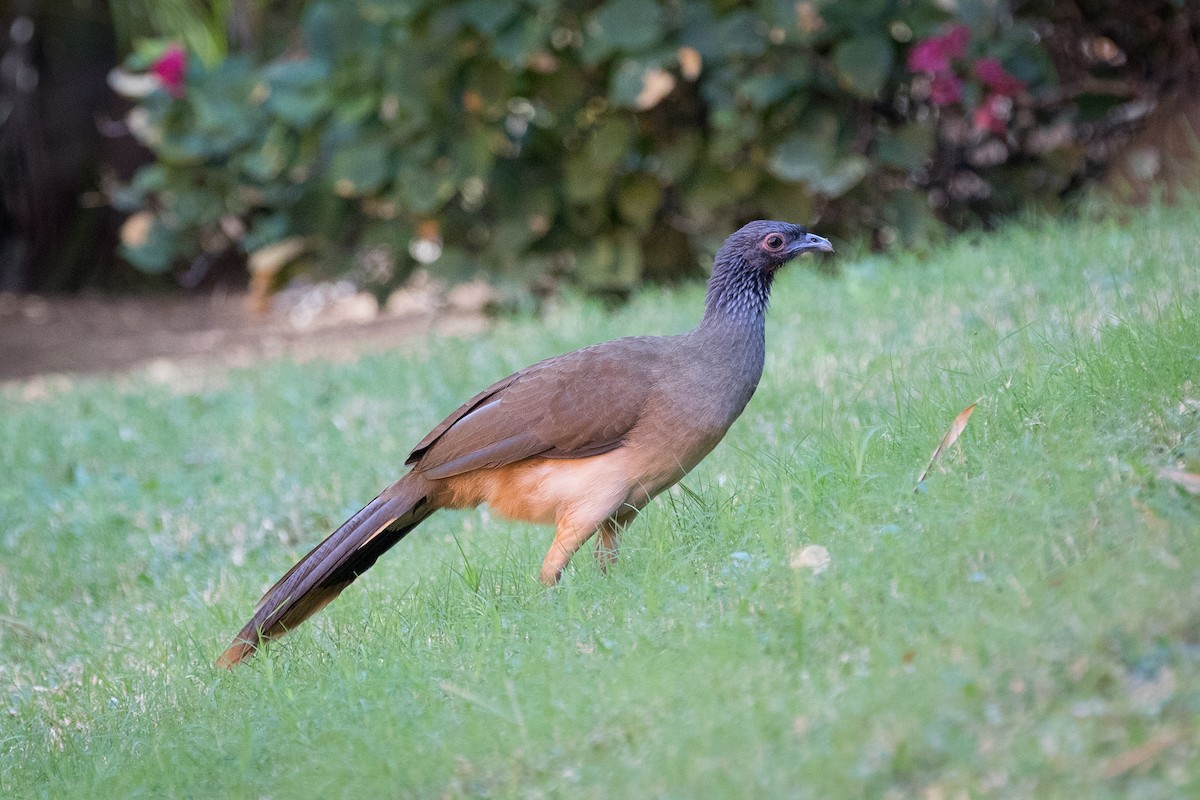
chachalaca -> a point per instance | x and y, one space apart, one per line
581 441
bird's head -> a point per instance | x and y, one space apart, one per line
746 266
766 245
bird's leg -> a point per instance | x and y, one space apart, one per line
567 539
608 540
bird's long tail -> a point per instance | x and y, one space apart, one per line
333 565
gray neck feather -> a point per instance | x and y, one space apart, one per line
737 294
732 331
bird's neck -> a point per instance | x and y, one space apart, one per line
733 330
737 297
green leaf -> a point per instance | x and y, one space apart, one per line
638 200
588 220
700 30
421 188
195 206
361 168
487 16
610 142
742 34
299 91
265 230
612 262
455 264
583 181
147 180
359 109
811 155
628 25
514 44
526 200
864 63
677 158
843 177
802 157
151 178
862 13
707 191
220 95
511 236
626 83
156 252
763 90
915 222
781 200
907 148
319 23
189 147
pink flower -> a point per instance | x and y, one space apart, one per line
945 89
992 114
928 55
993 75
170 68
957 39
933 55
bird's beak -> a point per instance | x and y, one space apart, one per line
811 243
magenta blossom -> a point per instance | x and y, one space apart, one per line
945 89
993 75
992 114
169 68
933 55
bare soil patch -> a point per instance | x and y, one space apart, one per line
104 334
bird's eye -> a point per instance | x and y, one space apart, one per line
774 242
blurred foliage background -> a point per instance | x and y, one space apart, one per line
542 141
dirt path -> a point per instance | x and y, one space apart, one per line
100 334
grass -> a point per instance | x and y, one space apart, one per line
1025 624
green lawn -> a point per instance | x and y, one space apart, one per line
1026 624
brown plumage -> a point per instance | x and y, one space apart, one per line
581 441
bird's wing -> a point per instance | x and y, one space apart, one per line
579 404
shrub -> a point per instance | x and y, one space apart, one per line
604 141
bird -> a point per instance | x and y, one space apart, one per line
581 441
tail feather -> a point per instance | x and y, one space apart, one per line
331 566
